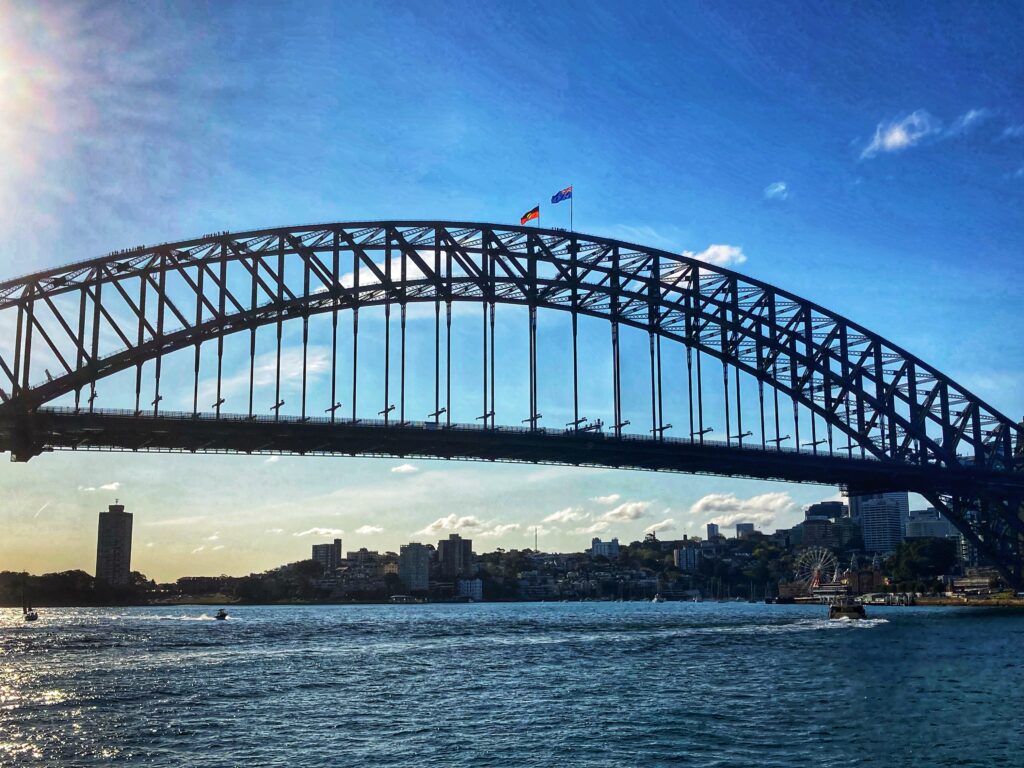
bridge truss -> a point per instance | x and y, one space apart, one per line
767 384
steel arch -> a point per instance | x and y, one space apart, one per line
890 405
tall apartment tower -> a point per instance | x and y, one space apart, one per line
328 555
455 556
414 567
881 517
712 531
114 546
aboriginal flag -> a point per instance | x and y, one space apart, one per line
530 215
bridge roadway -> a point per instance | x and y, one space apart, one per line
49 429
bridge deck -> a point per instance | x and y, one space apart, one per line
64 429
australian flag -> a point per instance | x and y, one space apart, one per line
565 194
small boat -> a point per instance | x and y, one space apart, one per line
658 598
844 608
27 611
220 615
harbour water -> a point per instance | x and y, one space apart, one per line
583 684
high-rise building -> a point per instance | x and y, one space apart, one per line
609 549
833 510
414 567
328 555
744 529
923 523
712 531
455 557
881 517
114 546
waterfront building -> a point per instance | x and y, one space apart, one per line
455 557
328 555
712 531
881 518
744 529
471 588
114 546
414 566
687 558
609 549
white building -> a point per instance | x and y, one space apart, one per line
609 549
881 517
471 588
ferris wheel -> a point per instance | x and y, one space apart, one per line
815 565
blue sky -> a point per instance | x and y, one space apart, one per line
867 156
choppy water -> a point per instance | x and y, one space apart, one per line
583 684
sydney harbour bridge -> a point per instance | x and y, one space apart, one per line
497 343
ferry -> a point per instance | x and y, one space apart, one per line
844 608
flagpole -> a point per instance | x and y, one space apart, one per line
573 196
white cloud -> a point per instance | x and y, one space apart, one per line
105 487
198 549
630 510
274 530
776 191
727 509
179 521
452 522
500 529
968 120
611 498
902 134
272 460
214 537
327 532
369 530
404 469
668 524
598 527
567 515
1012 132
719 255
149 545
219 546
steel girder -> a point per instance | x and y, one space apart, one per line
152 301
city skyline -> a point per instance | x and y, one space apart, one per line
875 189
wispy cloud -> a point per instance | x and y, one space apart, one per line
500 529
776 191
630 510
728 509
272 460
326 532
178 521
902 134
369 530
611 498
1012 132
599 527
968 121
214 537
274 530
106 487
567 515
719 255
451 522
40 510
198 549
668 524
404 469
